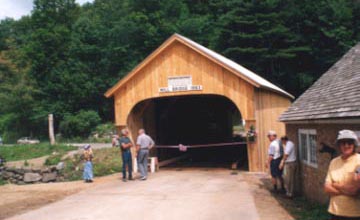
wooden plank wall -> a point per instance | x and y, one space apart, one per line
269 106
256 106
180 60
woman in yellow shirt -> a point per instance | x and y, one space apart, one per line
342 184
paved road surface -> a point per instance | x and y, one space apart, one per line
169 194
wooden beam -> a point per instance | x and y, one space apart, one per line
172 160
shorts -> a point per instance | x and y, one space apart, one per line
274 168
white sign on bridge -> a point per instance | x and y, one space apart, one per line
180 84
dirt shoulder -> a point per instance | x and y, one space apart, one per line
268 206
17 199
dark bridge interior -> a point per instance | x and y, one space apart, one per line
193 120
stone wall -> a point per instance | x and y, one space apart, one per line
310 179
23 176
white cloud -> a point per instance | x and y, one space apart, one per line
83 1
14 8
17 8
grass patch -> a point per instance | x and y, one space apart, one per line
106 161
2 182
25 152
299 207
53 159
303 209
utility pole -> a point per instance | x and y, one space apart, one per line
51 129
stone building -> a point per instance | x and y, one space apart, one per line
331 104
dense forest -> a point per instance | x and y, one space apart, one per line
62 57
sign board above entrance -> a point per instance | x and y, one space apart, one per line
180 84
179 80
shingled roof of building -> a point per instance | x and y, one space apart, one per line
336 94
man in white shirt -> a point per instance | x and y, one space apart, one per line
289 163
275 153
143 144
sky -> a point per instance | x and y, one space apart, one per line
17 8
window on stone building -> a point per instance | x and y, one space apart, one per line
307 146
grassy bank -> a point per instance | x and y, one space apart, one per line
25 152
303 209
106 161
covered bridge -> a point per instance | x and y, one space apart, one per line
184 93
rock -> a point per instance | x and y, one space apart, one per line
21 183
7 174
60 166
20 171
48 177
31 177
60 179
52 168
45 170
27 170
10 169
36 170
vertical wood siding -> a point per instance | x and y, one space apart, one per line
256 106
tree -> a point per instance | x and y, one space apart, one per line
255 34
80 124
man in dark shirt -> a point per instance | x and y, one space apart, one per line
125 145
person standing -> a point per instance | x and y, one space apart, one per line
115 141
143 144
88 167
341 183
275 153
288 163
125 146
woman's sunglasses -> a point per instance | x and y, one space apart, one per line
343 142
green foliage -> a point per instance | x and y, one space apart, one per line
79 125
63 57
26 152
73 169
303 209
2 182
106 161
53 159
105 129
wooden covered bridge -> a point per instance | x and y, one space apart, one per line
186 93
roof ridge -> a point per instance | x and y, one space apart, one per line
337 85
234 67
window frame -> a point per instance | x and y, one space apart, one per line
306 159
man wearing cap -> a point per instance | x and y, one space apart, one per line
143 144
275 153
341 183
288 163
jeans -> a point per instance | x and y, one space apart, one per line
142 159
127 160
88 171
